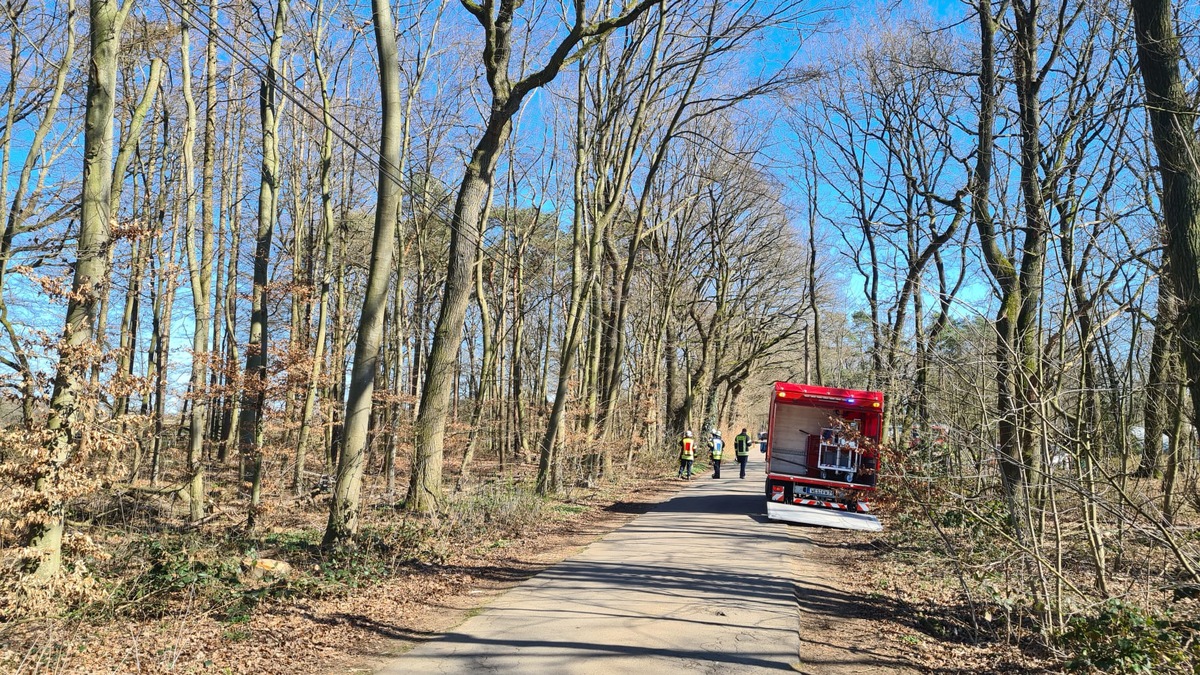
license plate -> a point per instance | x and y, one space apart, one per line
819 492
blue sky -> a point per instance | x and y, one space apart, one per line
845 26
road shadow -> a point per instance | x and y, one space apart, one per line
665 579
380 628
738 504
631 507
504 574
487 649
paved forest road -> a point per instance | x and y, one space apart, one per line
700 584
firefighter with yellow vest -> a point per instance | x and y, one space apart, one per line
716 449
741 448
687 455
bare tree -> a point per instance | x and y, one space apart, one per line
1172 118
70 405
343 510
507 95
254 400
200 272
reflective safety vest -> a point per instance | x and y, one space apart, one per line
687 448
718 448
741 445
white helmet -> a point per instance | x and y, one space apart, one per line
716 433
688 432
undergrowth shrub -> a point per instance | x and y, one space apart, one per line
1123 638
379 550
495 509
180 571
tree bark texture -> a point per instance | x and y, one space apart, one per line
346 503
1173 125
254 388
70 406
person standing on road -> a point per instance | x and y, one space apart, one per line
687 455
741 449
716 448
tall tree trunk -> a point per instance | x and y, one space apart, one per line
1161 378
337 392
572 325
231 409
1172 121
210 212
487 369
344 507
1027 350
254 398
517 363
817 377
127 337
1174 455
70 409
327 246
200 274
999 266
164 308
425 489
156 188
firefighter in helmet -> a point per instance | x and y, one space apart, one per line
687 455
741 448
716 449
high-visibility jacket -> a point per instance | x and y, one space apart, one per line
716 448
687 448
741 445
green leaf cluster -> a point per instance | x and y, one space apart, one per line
1125 639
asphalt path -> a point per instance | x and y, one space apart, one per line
700 584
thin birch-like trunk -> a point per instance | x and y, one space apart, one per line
254 397
346 503
200 276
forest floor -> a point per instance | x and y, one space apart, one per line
893 612
876 603
366 619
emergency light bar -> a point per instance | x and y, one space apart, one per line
825 397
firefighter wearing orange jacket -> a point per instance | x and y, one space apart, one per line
687 455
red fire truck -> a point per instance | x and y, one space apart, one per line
822 455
